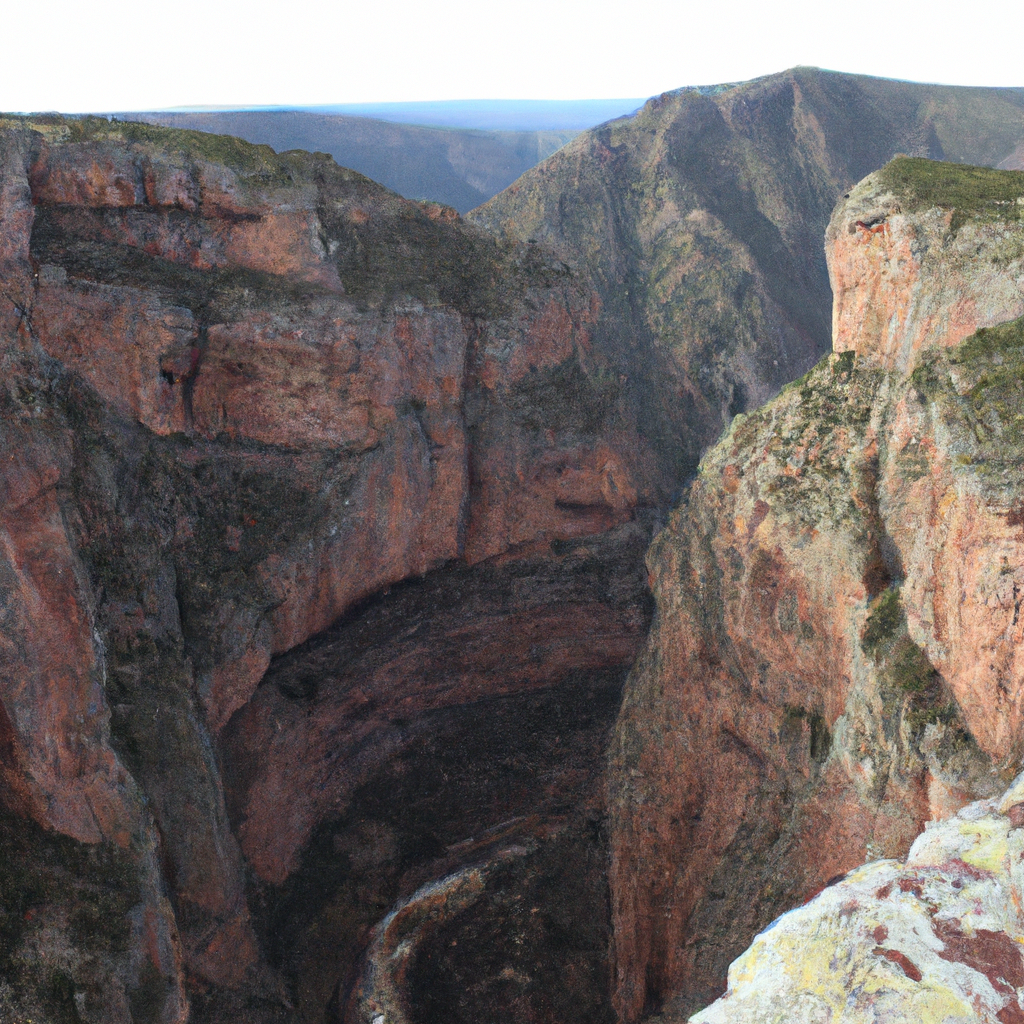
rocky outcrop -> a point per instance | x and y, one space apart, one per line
243 395
910 274
835 649
936 937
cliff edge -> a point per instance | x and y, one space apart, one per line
937 936
836 645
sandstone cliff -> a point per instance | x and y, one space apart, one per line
835 658
243 395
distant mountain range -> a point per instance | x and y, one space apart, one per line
484 115
456 166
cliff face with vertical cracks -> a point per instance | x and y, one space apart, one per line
243 395
835 657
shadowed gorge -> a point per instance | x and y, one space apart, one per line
386 638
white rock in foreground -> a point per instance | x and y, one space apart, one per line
937 940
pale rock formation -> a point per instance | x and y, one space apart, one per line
937 937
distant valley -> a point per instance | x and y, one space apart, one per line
460 167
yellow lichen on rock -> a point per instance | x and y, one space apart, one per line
937 938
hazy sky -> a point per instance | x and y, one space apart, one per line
75 55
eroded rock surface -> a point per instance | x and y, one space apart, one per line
936 937
909 274
243 394
835 654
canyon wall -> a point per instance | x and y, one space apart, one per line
244 396
834 659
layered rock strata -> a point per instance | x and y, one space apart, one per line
835 654
244 393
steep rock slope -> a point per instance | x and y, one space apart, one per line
699 220
836 649
461 168
244 394
937 937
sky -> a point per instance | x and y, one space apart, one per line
100 55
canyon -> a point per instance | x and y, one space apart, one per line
933 937
324 517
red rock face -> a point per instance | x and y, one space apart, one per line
312 373
60 765
905 282
248 393
56 761
835 656
964 556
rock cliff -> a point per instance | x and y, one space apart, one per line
835 657
245 395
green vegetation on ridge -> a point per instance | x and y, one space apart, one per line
976 389
971 191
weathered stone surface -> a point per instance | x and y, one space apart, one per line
908 273
936 937
246 393
844 556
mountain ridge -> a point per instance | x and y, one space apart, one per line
699 223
